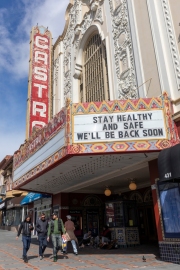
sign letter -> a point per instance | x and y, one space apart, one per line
41 110
41 56
40 88
40 74
40 42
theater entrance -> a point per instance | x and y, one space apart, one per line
147 226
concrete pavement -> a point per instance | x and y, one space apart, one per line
88 258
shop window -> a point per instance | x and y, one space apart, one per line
94 84
169 194
121 214
13 217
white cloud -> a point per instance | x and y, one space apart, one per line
14 53
10 142
14 58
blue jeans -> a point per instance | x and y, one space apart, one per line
57 243
42 244
73 242
26 244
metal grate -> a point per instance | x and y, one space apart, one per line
95 71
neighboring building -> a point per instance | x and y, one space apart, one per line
115 106
3 191
10 208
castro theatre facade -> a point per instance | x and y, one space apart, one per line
107 107
98 156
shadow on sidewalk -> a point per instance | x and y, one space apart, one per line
143 250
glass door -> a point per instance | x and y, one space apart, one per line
93 222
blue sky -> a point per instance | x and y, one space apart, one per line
17 17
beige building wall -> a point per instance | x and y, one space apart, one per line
147 52
141 39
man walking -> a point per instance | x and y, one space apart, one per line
42 229
26 227
69 226
55 229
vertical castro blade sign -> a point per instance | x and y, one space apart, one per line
41 78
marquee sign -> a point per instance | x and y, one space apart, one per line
142 125
40 79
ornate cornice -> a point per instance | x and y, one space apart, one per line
172 40
123 52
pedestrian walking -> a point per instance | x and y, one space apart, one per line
26 227
42 229
56 229
70 236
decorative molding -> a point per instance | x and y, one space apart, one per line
67 45
148 195
76 45
99 16
78 71
56 70
123 52
172 40
87 20
77 31
94 6
136 196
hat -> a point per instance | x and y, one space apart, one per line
68 217
55 214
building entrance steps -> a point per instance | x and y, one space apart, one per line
89 258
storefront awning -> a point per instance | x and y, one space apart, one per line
31 197
169 163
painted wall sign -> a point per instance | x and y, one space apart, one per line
40 79
142 125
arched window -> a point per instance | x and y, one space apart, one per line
94 84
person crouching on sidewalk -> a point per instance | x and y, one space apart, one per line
26 227
55 229
42 229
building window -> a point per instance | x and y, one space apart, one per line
94 84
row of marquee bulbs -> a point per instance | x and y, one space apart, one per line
132 186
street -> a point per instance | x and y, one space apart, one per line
88 258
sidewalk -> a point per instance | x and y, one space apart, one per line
88 258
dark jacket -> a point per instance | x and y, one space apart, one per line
42 227
26 228
61 228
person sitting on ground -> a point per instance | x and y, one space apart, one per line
106 236
86 239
